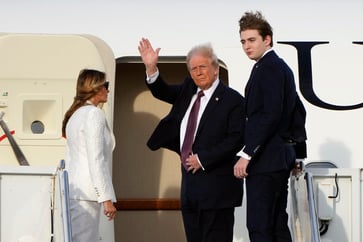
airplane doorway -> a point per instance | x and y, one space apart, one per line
147 183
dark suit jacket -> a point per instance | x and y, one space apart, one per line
219 137
270 95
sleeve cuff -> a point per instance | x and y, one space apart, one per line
200 163
245 156
152 78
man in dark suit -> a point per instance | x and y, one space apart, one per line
209 190
267 157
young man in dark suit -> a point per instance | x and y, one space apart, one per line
209 190
267 156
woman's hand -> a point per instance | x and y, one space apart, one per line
109 209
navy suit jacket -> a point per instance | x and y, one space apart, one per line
270 95
219 137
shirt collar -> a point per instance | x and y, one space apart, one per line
209 92
267 51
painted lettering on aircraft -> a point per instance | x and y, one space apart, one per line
306 77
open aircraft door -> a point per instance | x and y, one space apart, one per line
38 74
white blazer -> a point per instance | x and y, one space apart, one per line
90 143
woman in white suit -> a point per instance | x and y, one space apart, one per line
90 144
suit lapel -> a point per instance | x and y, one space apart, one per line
255 68
212 104
185 98
249 83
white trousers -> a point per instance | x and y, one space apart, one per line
85 220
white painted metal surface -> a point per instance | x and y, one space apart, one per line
32 204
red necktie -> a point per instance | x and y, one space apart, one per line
190 130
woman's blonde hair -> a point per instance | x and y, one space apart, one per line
88 84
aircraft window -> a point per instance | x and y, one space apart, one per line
37 127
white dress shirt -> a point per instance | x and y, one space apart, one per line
203 103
